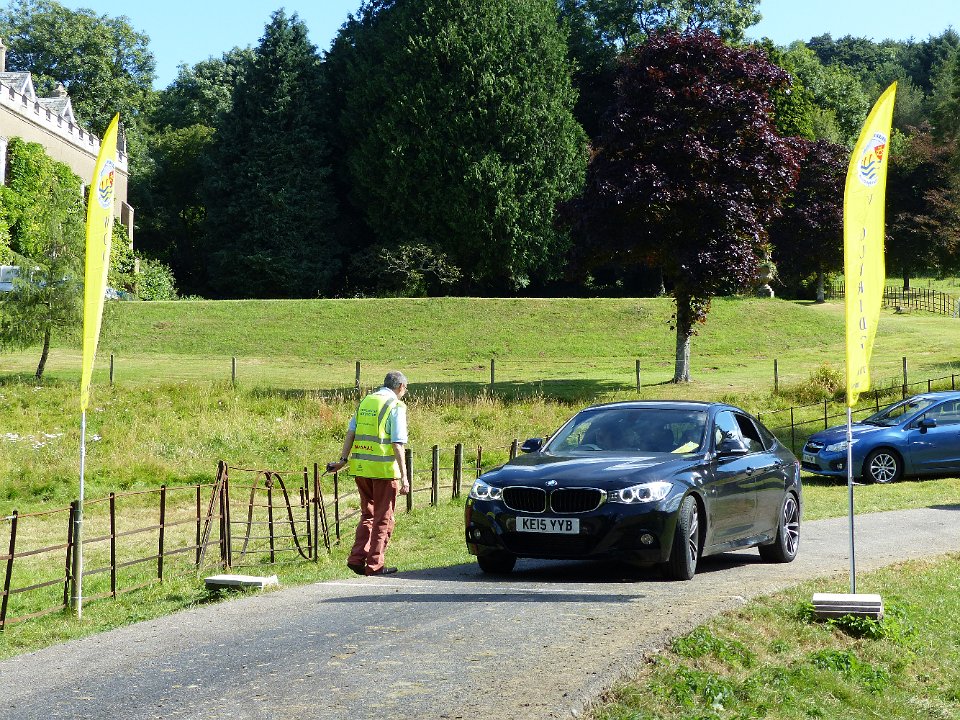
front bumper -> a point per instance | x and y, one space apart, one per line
638 534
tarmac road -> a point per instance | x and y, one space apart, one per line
447 643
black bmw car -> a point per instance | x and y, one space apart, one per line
643 483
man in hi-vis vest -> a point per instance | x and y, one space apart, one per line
374 448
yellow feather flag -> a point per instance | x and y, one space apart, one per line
99 233
863 234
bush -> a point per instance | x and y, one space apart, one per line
155 281
824 383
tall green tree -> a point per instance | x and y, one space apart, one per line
923 207
168 191
41 223
105 65
807 237
458 134
688 174
267 197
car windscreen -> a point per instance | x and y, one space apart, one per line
631 431
895 413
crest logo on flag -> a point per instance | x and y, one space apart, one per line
872 159
105 186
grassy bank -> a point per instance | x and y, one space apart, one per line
772 659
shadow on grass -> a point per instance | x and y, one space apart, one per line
565 390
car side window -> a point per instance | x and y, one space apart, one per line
750 434
726 427
769 439
946 414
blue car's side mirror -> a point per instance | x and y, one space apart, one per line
531 445
926 424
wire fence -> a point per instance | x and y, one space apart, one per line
246 518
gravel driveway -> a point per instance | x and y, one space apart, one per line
448 643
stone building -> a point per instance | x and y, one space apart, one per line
50 122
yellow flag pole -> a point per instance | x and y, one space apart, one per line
863 264
97 262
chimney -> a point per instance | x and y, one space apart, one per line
3 56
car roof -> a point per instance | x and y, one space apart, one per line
937 395
660 405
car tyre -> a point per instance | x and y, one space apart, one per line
685 550
882 466
498 563
784 548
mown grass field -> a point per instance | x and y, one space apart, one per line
172 412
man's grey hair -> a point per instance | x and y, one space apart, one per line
394 380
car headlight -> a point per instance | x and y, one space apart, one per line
842 445
643 493
482 491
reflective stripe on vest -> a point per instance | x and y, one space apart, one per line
372 452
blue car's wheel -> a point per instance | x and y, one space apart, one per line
882 466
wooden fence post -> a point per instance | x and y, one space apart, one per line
435 475
514 445
408 461
479 460
356 384
233 371
163 519
113 544
904 377
69 554
316 512
457 469
111 369
793 433
493 376
9 573
199 529
824 413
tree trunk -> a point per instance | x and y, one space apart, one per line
44 354
820 294
681 371
906 280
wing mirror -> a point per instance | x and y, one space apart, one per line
730 447
926 424
531 445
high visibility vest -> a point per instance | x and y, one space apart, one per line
372 453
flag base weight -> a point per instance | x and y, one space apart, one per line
834 605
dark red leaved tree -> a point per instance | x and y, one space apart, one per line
688 173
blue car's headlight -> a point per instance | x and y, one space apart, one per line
482 491
643 493
840 446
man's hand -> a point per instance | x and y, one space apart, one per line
335 466
404 486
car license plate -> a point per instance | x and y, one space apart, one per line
808 458
562 526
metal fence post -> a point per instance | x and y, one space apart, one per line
233 370
904 377
638 375
113 544
356 384
336 504
776 378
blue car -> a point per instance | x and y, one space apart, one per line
916 436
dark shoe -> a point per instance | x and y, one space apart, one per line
383 571
357 568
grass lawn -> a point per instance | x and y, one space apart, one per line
172 413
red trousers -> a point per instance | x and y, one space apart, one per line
378 498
